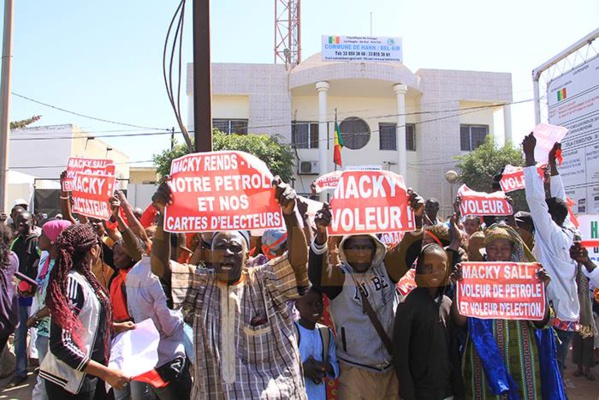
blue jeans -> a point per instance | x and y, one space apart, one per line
565 338
21 342
39 391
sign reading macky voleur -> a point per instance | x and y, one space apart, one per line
361 49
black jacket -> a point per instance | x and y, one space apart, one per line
425 349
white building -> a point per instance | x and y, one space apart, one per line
44 151
410 123
42 154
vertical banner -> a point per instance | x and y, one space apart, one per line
86 166
91 195
479 203
370 202
224 190
501 290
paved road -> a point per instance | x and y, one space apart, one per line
578 388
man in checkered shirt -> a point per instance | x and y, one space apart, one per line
244 342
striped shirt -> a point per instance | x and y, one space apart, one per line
244 340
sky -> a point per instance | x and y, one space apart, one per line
104 58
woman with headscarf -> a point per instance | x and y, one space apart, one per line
509 358
80 321
41 317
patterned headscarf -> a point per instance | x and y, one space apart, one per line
520 253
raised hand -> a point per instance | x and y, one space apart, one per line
285 195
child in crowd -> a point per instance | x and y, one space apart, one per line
316 345
425 348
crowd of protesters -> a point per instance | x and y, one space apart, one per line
240 316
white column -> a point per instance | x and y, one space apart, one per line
323 153
507 122
400 91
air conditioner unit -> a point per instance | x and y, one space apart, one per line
308 168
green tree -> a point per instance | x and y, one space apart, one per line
278 157
480 166
24 122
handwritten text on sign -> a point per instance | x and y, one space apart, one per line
91 195
370 202
501 290
479 203
86 166
226 190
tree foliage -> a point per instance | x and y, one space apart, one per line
278 157
24 122
480 166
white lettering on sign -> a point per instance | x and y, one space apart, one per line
88 184
366 186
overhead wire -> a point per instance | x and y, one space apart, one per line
84 115
463 111
168 76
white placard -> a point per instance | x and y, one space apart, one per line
361 49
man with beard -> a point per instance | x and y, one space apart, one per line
243 332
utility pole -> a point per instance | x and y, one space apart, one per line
202 77
5 103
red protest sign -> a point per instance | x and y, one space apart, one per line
370 202
479 203
224 190
391 239
513 177
327 181
91 195
501 290
86 166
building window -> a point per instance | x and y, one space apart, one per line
388 137
472 136
304 135
229 126
355 133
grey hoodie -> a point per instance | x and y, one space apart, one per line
357 341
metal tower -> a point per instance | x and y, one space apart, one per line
288 47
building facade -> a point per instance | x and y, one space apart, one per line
43 151
390 118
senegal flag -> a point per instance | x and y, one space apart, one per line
338 145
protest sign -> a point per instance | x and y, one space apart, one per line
135 352
479 203
391 239
407 283
327 181
589 231
512 177
370 202
91 195
223 190
501 290
547 135
86 166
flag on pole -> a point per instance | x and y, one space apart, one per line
338 145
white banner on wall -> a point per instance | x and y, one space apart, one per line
573 102
361 49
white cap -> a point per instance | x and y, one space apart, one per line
19 202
